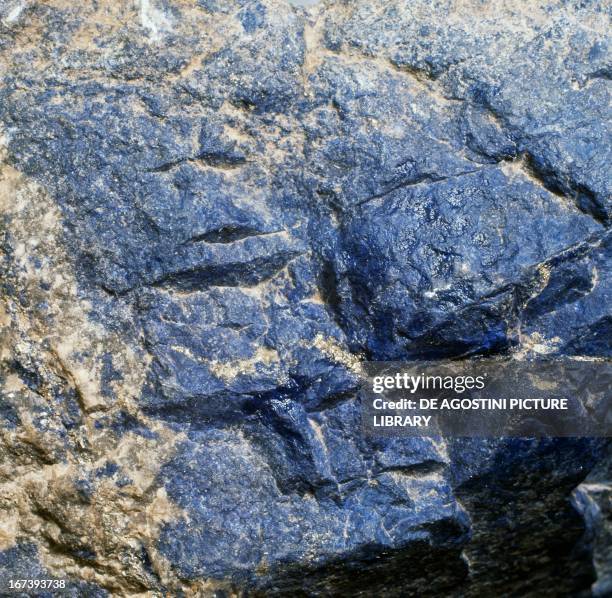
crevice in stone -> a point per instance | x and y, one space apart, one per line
328 286
583 198
213 160
417 469
426 179
228 234
237 274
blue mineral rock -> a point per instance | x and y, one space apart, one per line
213 212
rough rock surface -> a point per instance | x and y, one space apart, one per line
212 211
597 490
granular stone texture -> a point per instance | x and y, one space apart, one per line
212 212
